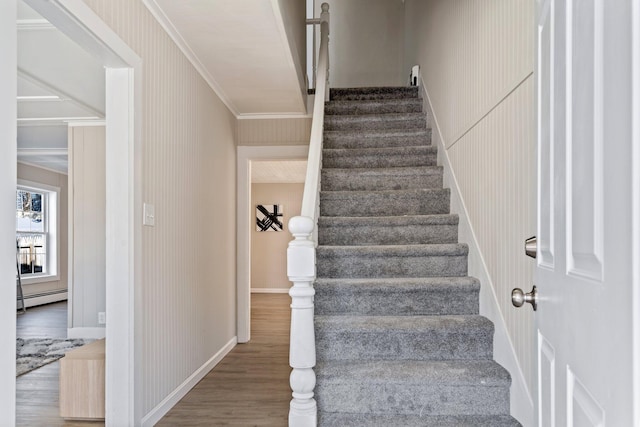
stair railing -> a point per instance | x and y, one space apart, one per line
301 253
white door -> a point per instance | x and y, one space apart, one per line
588 210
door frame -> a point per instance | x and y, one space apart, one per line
244 221
123 191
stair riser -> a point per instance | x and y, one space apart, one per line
373 107
425 399
338 123
385 204
383 139
362 94
341 301
391 266
358 181
359 420
438 344
378 161
388 235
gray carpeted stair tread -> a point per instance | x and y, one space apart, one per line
395 178
380 106
397 296
392 261
375 121
443 337
379 138
413 387
370 420
426 220
385 203
398 336
392 230
365 93
379 157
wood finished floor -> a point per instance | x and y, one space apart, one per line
250 387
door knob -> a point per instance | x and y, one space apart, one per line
518 298
531 246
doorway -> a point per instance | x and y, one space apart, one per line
123 105
246 222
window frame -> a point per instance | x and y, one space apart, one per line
51 216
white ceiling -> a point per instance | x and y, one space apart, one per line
58 83
241 49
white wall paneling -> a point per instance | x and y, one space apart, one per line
476 63
87 207
274 131
187 287
245 222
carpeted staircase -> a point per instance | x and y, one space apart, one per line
398 335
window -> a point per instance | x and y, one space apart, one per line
36 226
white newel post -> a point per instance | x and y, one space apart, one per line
301 269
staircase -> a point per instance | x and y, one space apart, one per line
399 340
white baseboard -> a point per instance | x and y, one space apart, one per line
270 290
174 397
42 299
522 406
87 333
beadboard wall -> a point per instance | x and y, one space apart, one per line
188 266
476 62
284 131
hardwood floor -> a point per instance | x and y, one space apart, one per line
250 387
37 391
44 321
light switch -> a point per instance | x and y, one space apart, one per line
149 214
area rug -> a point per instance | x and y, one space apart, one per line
32 353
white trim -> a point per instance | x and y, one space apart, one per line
87 333
8 115
174 397
34 24
263 116
244 222
33 301
123 391
42 152
177 38
269 290
87 123
504 352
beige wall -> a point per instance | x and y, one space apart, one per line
187 294
290 131
87 228
44 176
477 62
268 249
366 42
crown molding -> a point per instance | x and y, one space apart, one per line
177 38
